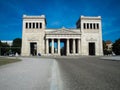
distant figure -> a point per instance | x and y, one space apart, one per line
39 54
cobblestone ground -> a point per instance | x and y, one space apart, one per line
88 73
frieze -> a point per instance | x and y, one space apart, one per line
63 32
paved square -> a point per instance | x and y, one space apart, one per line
88 73
61 73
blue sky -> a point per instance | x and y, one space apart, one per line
59 13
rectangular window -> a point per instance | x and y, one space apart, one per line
97 25
36 25
29 25
94 26
26 25
87 25
90 25
33 25
84 25
40 25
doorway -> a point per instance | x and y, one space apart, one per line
33 48
91 48
63 47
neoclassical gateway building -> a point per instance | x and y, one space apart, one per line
86 39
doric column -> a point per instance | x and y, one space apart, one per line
52 46
89 25
86 25
68 48
31 25
58 46
78 46
47 46
27 49
74 46
95 25
92 25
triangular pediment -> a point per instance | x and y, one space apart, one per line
62 32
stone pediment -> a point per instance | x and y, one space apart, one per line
62 32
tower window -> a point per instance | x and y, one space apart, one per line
94 26
40 25
33 25
90 25
97 26
84 26
26 25
29 25
36 25
87 25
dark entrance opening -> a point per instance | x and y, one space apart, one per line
71 45
33 49
91 48
63 47
50 46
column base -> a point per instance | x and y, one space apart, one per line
76 54
52 54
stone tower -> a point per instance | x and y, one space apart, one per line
91 29
33 31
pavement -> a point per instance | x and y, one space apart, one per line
111 58
61 73
88 73
28 74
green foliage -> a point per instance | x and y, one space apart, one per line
4 61
16 47
4 48
0 44
104 45
105 49
17 42
116 47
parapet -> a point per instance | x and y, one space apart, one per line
33 17
91 17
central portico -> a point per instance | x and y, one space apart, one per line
71 40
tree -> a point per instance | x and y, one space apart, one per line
116 47
0 47
104 45
17 42
105 48
4 49
16 46
0 44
